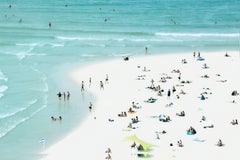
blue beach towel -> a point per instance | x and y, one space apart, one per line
190 133
199 140
200 59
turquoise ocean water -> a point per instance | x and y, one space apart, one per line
34 58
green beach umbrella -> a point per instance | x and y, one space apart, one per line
144 144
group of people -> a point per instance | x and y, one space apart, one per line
54 118
66 96
122 114
90 82
180 144
135 120
108 152
194 54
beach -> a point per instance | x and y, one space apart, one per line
50 47
203 87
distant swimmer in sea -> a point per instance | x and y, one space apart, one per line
20 21
146 50
9 6
49 24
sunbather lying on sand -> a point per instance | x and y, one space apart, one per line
176 71
133 145
205 76
182 114
182 92
234 122
131 110
108 150
210 126
151 100
108 157
222 81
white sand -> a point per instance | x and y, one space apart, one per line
94 136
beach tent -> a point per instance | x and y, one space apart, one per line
146 146
202 97
162 117
234 93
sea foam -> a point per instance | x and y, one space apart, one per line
2 76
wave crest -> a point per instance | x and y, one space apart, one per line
198 34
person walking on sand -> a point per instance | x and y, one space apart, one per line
90 106
90 81
152 84
179 76
106 80
194 55
101 85
169 93
173 89
82 87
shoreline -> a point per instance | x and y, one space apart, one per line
97 134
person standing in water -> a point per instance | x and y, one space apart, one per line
49 24
146 50
59 95
68 95
82 87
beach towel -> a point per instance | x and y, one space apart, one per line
199 140
200 59
190 133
